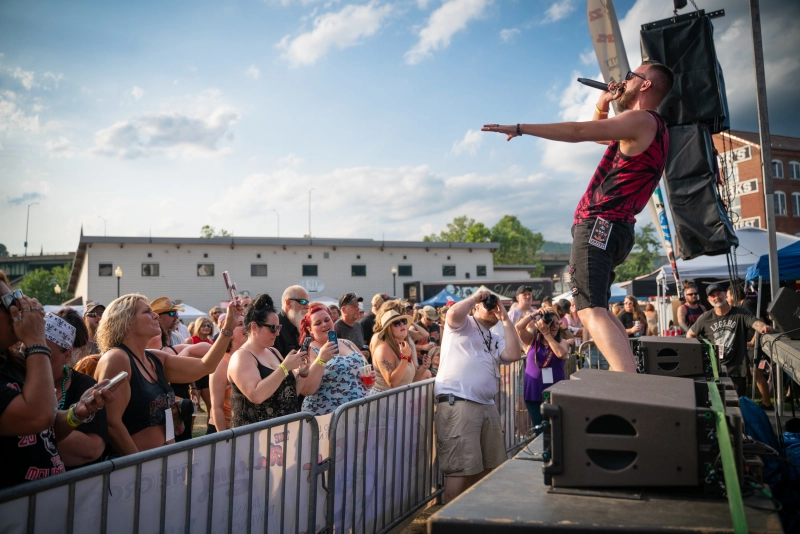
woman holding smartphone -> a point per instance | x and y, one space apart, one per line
29 422
334 376
142 418
264 385
219 416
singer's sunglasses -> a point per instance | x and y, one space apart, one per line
9 299
631 74
171 313
302 302
274 328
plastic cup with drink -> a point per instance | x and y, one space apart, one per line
367 375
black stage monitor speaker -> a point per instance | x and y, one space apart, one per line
785 311
673 356
687 47
621 429
702 226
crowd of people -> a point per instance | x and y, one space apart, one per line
259 360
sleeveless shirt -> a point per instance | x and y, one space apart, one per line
282 402
622 185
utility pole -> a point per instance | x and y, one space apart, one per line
25 256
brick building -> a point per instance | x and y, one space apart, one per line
742 153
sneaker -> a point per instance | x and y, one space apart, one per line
766 408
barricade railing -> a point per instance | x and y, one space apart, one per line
266 477
588 351
260 477
383 463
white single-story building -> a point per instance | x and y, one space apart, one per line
190 269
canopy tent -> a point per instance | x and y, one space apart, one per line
752 245
190 313
440 299
788 264
327 301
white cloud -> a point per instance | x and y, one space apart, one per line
451 18
60 148
135 93
50 80
469 144
290 160
342 29
25 77
12 117
508 34
558 10
588 57
423 4
170 133
252 72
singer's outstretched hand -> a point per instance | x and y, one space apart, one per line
510 131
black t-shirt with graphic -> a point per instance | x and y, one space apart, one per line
79 384
729 330
28 457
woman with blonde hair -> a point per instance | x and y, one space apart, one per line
394 356
141 417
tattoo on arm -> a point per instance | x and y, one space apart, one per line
387 366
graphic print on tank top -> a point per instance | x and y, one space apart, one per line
622 185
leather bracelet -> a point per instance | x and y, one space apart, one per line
224 332
285 370
320 361
518 132
599 112
37 349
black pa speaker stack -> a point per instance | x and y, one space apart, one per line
696 108
785 311
607 429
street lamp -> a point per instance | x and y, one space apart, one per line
394 280
118 274
57 291
28 220
279 221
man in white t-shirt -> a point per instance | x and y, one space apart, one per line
524 299
469 436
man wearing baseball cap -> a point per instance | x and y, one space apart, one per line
524 298
92 313
168 317
727 325
347 327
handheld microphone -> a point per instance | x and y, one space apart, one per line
594 84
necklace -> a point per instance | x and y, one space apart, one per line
64 388
486 342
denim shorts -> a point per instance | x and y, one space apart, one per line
591 268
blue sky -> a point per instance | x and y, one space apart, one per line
164 116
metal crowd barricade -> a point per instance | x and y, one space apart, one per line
261 478
383 464
510 401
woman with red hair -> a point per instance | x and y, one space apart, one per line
334 377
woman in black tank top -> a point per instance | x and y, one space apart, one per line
140 418
263 386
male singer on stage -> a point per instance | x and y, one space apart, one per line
625 179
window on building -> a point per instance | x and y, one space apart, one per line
796 204
310 270
780 203
448 270
794 170
777 168
149 269
258 269
106 269
358 270
404 270
205 269
480 270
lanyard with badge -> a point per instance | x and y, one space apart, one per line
487 342
547 371
601 233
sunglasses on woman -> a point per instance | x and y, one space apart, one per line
400 321
10 298
274 328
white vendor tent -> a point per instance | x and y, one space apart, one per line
190 313
752 245
618 294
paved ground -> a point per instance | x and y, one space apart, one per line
420 524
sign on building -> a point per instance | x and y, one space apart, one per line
755 222
746 187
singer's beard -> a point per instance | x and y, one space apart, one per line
625 100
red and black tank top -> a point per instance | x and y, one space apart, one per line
622 185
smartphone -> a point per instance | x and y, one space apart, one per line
332 337
229 285
306 343
111 385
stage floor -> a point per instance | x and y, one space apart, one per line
514 499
